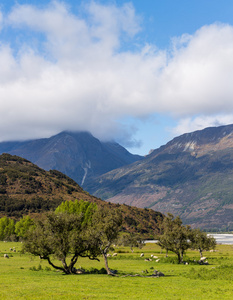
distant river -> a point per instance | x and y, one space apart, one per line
226 239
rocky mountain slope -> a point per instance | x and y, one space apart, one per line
191 176
27 189
78 155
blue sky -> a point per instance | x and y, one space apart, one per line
140 72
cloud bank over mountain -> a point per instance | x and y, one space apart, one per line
86 71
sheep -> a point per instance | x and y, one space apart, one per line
6 256
203 258
114 254
142 254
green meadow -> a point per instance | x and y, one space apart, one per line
23 276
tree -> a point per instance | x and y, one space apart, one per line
132 240
79 207
23 225
7 228
60 234
107 226
200 241
174 236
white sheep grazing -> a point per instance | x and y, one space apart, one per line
155 256
157 260
142 254
114 254
6 256
109 255
203 258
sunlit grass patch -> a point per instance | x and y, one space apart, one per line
24 276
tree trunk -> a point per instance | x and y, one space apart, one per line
106 264
54 266
200 250
179 258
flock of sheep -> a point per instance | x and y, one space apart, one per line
11 250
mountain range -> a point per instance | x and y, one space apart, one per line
79 155
191 176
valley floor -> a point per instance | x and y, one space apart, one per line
23 276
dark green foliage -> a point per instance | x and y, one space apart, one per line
200 241
107 224
132 240
59 235
174 236
95 271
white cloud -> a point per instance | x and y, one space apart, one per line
72 73
198 76
187 125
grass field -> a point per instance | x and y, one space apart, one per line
23 276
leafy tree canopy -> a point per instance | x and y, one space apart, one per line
107 225
23 225
132 240
7 228
83 208
174 236
201 241
58 235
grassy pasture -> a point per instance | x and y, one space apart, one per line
23 276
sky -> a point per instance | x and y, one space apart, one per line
137 72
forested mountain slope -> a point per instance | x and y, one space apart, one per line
27 189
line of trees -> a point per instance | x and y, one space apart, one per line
11 231
176 237
81 229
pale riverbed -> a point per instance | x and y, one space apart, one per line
226 239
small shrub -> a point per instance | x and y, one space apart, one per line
39 268
96 271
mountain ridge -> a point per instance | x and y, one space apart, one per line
27 189
79 155
190 176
